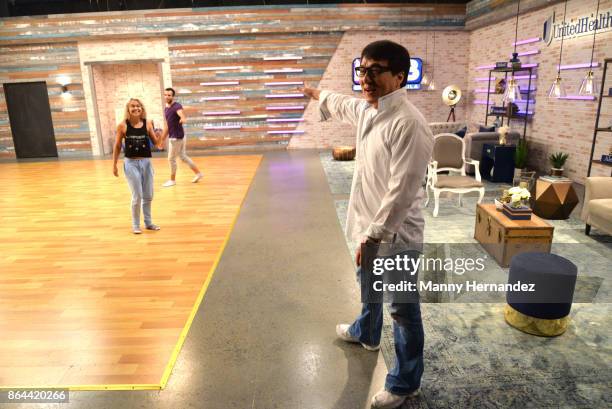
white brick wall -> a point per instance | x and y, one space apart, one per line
119 82
452 47
558 125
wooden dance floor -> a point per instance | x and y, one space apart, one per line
84 303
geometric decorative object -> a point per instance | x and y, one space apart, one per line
344 153
554 200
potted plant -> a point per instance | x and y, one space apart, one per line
520 157
557 160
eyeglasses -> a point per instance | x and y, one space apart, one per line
374 71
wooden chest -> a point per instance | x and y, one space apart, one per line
503 238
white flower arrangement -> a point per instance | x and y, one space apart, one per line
518 195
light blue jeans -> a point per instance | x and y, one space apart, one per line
409 337
139 174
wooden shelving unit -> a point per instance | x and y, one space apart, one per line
598 129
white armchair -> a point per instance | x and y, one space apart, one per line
449 155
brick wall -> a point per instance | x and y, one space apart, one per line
450 68
116 83
558 125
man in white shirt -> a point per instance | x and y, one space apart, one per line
394 144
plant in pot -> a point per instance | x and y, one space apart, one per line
520 157
557 160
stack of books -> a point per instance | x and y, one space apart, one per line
517 213
554 179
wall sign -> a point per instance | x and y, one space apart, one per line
576 27
415 75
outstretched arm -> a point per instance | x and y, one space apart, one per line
337 106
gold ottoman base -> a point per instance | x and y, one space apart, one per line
535 326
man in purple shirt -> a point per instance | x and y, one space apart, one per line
173 127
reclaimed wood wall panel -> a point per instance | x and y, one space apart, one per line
229 20
43 47
47 62
201 60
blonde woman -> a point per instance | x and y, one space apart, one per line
133 132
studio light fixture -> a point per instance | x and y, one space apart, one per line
513 92
425 77
63 81
515 62
588 86
557 90
431 86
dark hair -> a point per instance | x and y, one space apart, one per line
171 90
396 54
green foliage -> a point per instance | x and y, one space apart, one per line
557 160
520 154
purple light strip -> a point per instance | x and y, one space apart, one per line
284 70
233 67
516 77
484 91
485 67
484 102
579 97
222 127
217 113
575 66
488 67
528 41
206 84
287 58
281 83
220 98
281 132
282 108
285 120
285 96
530 52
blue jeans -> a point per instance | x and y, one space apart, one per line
139 174
405 377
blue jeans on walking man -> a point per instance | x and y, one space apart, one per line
409 337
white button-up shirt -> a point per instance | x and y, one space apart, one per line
394 145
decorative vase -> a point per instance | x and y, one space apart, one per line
556 172
502 139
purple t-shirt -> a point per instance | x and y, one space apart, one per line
175 129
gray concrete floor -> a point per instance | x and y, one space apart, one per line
264 336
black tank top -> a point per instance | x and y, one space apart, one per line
137 141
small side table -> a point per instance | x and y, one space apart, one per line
500 158
555 198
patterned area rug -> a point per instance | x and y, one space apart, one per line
473 359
